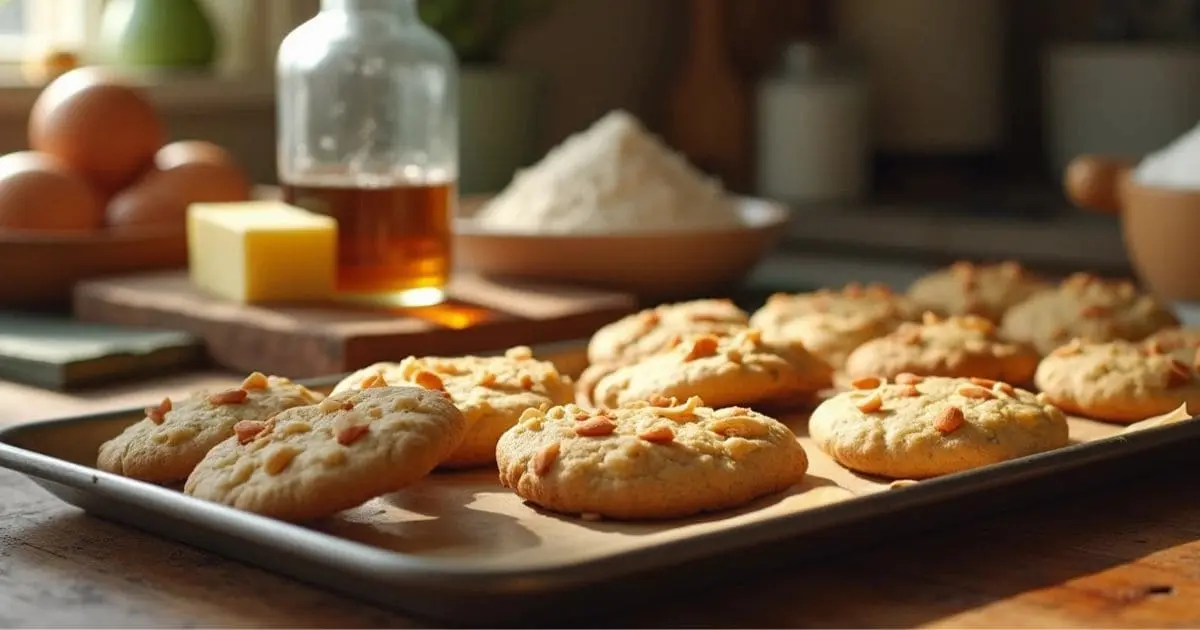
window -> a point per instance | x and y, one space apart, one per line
249 30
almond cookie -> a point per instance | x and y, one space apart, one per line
492 392
831 324
737 370
654 330
167 444
919 427
965 288
648 460
1119 381
1088 307
964 346
1173 339
313 461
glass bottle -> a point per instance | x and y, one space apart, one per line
367 133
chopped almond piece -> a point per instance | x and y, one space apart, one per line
527 382
866 382
256 380
159 413
978 393
705 346
983 382
428 380
247 430
949 420
544 460
229 397
909 391
658 435
352 433
1004 388
908 378
595 427
373 380
870 404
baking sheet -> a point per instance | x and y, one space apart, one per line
459 546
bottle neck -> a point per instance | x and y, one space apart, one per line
402 9
707 41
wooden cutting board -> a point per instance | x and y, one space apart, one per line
307 341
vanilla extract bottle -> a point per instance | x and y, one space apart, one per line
368 134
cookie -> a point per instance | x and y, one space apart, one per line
651 331
737 370
492 392
831 324
1172 339
1119 381
313 461
920 427
966 288
648 460
167 444
1088 307
961 346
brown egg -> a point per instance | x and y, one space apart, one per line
38 192
184 173
99 126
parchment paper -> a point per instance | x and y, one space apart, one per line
469 515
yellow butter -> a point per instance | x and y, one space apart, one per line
262 251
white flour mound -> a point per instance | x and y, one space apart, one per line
1176 165
613 177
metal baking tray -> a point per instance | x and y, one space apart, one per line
459 548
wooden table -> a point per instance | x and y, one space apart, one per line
1127 556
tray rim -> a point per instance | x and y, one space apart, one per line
465 575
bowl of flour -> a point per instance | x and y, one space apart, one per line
614 206
1158 202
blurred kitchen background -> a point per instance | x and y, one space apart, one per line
921 129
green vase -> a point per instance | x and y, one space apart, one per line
157 34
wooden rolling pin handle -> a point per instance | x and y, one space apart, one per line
1092 182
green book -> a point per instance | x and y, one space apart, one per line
59 353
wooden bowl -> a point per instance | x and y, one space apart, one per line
1160 226
661 265
40 270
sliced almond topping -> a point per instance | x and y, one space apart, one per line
705 346
1078 280
949 420
866 382
909 391
738 426
544 460
279 458
734 356
487 379
1180 374
978 324
229 397
658 435
159 413
908 378
930 318
373 380
352 433
526 382
1071 349
519 353
247 430
256 380
658 400
1093 311
870 404
983 382
1004 388
651 318
329 405
296 427
428 380
346 405
978 393
598 426
674 341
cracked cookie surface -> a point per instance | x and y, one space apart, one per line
648 460
737 370
1120 381
961 346
657 329
492 392
921 427
985 290
313 461
831 324
167 444
1088 307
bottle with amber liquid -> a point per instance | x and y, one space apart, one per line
368 134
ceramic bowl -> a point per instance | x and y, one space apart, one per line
659 265
41 269
1160 226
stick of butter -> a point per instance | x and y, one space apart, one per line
262 251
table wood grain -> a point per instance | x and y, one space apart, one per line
1124 556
